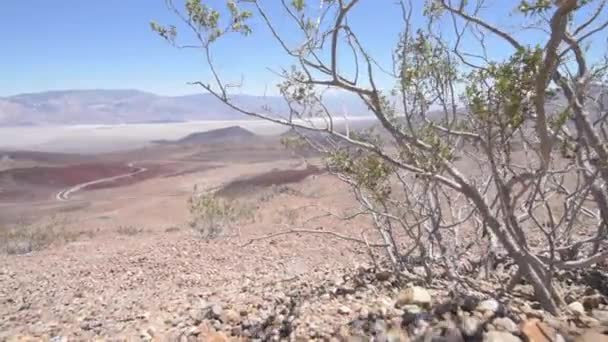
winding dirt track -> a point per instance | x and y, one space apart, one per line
64 195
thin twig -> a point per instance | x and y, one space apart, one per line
311 231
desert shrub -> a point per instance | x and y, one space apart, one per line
129 230
480 154
290 216
23 239
212 215
172 229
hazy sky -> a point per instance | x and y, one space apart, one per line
67 44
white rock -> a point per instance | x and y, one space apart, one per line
506 324
344 310
411 308
414 295
470 325
601 316
216 311
576 308
488 305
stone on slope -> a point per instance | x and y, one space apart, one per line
601 316
506 324
470 326
344 310
396 335
415 295
500 336
592 336
489 306
576 308
537 331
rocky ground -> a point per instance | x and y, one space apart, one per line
171 285
175 288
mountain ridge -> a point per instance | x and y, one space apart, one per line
123 106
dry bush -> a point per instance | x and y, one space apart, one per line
24 239
213 215
172 229
129 230
504 154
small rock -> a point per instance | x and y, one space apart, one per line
59 339
414 309
216 311
383 275
593 301
379 327
231 316
414 295
396 335
144 336
601 316
489 305
592 337
421 327
453 335
576 308
468 303
470 326
215 337
443 309
537 331
197 316
193 331
90 325
500 336
530 312
344 310
506 324
588 322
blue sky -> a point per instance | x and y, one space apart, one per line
66 44
69 44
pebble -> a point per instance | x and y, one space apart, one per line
470 326
414 295
216 311
592 337
576 308
600 315
500 336
537 331
488 305
395 335
411 308
231 316
506 324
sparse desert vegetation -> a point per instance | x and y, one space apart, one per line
22 239
213 216
435 174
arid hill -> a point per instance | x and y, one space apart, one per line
216 136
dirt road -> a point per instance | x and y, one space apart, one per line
65 194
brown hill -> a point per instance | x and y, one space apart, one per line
216 136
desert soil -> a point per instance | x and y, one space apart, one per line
136 270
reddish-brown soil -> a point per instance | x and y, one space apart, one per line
24 184
65 175
45 157
274 177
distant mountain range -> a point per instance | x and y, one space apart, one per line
72 107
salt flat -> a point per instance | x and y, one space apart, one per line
109 138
